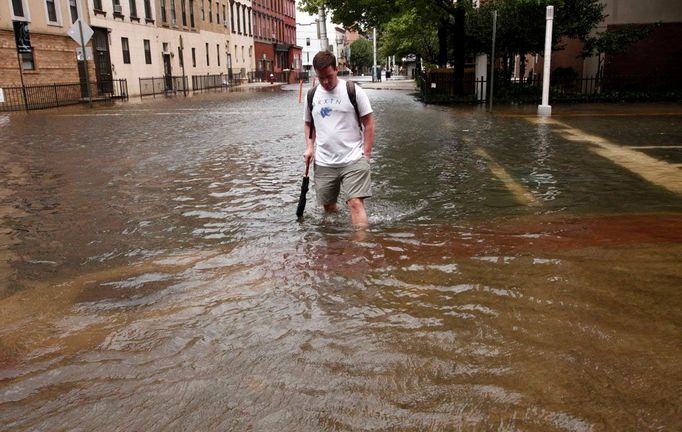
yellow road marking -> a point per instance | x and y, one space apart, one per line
601 114
656 171
656 147
522 195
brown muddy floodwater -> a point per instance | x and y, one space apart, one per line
517 276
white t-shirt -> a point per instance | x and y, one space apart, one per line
338 137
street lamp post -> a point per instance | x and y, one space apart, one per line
545 109
374 42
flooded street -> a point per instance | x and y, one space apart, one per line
518 274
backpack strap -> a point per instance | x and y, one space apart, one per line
350 88
309 96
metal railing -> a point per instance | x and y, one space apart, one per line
206 82
440 86
165 85
34 97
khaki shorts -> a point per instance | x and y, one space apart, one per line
351 181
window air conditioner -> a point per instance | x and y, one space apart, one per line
117 9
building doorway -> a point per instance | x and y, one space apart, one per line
167 72
100 45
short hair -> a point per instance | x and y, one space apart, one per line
323 59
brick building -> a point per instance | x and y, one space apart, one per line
275 38
651 63
53 55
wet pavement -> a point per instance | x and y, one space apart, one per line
519 274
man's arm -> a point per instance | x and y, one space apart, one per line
368 124
309 143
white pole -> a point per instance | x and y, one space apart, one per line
545 109
374 40
324 41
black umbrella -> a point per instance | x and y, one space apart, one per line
304 191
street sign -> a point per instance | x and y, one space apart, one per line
75 33
79 53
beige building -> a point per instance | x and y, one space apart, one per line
241 28
166 39
53 57
132 39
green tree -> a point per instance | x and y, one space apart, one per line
361 54
410 33
460 28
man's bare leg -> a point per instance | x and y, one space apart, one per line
358 215
331 208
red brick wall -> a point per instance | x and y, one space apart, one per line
655 59
264 48
569 57
54 57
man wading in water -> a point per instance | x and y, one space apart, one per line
339 134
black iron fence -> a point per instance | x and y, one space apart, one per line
280 77
33 97
207 82
173 85
441 86
165 85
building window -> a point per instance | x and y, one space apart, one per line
210 11
224 15
27 61
217 50
208 61
183 5
236 54
163 11
244 18
133 9
239 25
19 9
126 50
191 13
217 12
51 11
232 16
148 10
307 41
203 13
147 52
180 56
73 9
172 12
97 4
194 57
249 13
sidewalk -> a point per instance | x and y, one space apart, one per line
390 84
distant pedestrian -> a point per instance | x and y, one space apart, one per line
339 134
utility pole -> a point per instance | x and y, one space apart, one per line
324 41
374 41
85 62
182 62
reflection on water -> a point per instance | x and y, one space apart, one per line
155 277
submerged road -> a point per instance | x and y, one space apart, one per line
518 274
